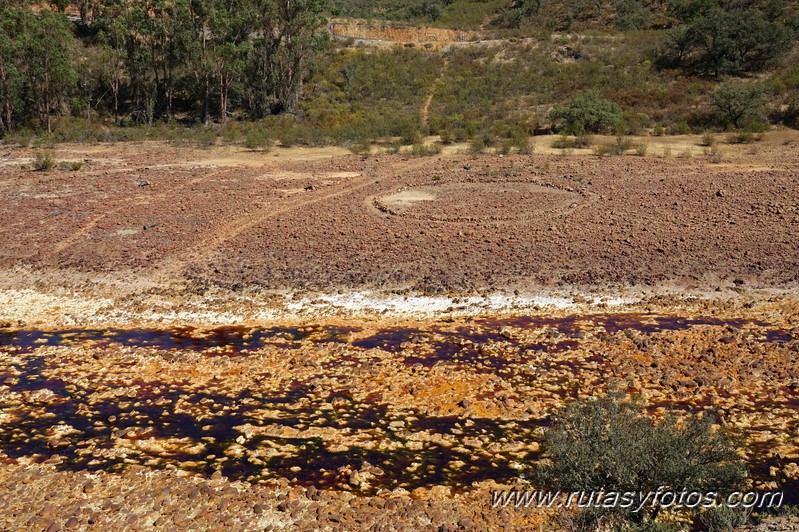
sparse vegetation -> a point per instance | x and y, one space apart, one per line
420 149
258 138
724 518
43 161
579 141
620 147
714 153
73 166
742 137
708 139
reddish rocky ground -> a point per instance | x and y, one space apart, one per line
585 221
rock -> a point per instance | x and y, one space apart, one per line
55 443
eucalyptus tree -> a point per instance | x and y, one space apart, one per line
11 53
48 71
284 49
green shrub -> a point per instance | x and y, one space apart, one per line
710 39
607 444
422 150
520 139
724 518
258 138
563 142
446 136
588 520
409 134
587 113
361 148
713 153
43 161
742 137
680 128
477 145
619 147
791 510
708 139
580 141
70 165
601 150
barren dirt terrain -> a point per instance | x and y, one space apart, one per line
309 339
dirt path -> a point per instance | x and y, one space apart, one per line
94 221
230 230
424 112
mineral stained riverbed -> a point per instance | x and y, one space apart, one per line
451 403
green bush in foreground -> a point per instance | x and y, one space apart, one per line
609 444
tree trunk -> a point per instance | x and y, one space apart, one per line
223 90
115 91
84 6
5 126
206 97
47 96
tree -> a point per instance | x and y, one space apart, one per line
739 101
285 49
717 38
517 12
48 73
218 52
119 50
631 15
91 71
608 444
587 113
11 54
